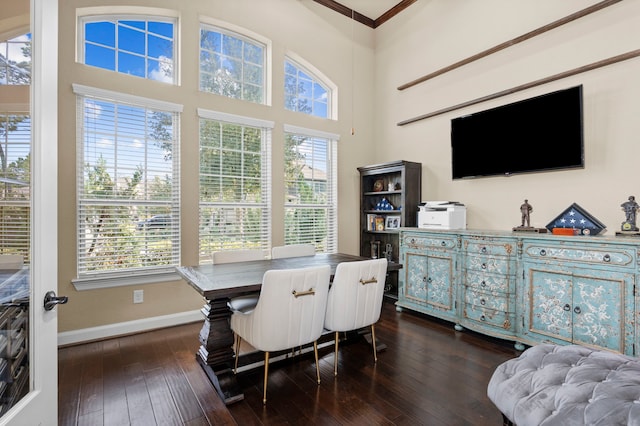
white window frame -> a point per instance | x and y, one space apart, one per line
87 281
332 183
134 13
266 127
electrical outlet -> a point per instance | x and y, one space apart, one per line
138 296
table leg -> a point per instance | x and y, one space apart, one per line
216 354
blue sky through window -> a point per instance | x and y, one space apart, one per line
140 48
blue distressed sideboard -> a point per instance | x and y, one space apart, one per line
526 287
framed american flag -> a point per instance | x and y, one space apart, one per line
576 218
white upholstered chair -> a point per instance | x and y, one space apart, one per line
232 256
293 250
290 313
355 299
246 302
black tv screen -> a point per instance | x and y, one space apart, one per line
536 134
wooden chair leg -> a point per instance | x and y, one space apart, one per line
266 374
373 343
335 357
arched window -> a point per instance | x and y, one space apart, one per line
143 47
305 92
232 65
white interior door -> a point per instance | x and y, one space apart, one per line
40 405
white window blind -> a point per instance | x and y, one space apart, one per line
15 194
128 187
235 179
311 189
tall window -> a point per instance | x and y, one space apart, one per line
311 188
15 148
232 65
303 92
15 61
235 179
143 48
128 187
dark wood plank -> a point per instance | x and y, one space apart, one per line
429 374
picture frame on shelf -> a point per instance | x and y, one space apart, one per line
392 222
379 223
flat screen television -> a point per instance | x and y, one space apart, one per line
536 134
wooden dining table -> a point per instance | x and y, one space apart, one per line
221 282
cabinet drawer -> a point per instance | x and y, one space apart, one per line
480 299
489 264
494 248
488 283
417 241
491 317
604 256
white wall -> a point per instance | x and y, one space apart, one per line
432 34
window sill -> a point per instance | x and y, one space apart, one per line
149 277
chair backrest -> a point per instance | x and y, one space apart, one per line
293 250
290 311
11 261
232 256
355 297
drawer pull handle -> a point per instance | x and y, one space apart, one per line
413 241
566 307
483 284
606 258
543 252
443 243
482 318
483 302
577 310
483 250
484 266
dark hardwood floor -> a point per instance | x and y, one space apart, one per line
429 374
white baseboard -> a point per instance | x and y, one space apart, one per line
128 327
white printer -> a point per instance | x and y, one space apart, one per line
442 215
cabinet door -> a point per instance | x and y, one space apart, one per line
548 311
429 282
582 306
599 311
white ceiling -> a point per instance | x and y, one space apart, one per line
370 8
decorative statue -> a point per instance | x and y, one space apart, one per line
526 210
630 208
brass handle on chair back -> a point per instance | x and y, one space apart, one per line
369 281
297 294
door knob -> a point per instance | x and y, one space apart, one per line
51 300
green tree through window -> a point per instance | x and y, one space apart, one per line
128 191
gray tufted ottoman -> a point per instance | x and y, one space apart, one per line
567 385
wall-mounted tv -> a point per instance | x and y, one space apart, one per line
536 134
